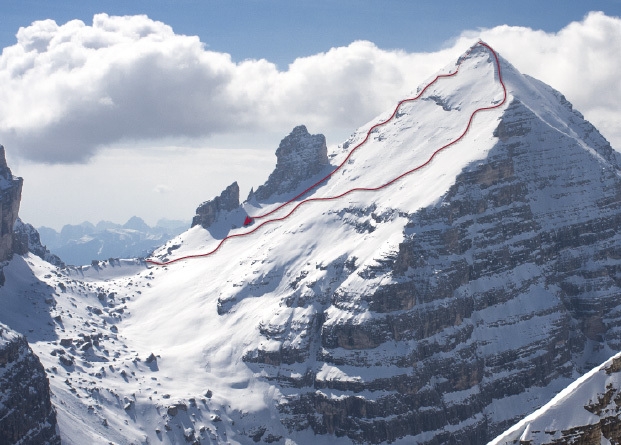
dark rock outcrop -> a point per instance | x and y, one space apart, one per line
26 413
10 197
27 239
207 212
299 156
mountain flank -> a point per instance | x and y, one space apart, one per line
442 308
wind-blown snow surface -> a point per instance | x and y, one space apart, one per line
237 335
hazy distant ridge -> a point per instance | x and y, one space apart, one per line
82 243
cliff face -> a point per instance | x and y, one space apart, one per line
10 197
26 413
207 212
299 156
508 283
497 295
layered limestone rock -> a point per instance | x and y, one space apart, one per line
506 286
207 212
26 413
10 197
299 156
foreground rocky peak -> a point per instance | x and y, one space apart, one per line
26 413
299 156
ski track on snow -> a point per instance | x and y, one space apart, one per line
250 219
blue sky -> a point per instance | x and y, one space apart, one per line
112 115
283 30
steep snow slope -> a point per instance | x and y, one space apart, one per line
587 411
439 309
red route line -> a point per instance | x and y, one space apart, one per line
359 189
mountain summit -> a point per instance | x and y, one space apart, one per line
453 269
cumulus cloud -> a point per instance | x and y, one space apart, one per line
72 89
582 60
69 90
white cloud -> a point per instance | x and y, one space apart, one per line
70 90
582 60
162 188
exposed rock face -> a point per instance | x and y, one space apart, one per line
26 239
26 413
299 156
507 285
10 196
207 212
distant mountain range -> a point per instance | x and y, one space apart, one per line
82 243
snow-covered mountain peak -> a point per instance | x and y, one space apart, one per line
450 269
383 246
434 123
552 108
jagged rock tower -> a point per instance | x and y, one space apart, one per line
207 212
299 156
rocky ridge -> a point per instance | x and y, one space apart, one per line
300 156
27 239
